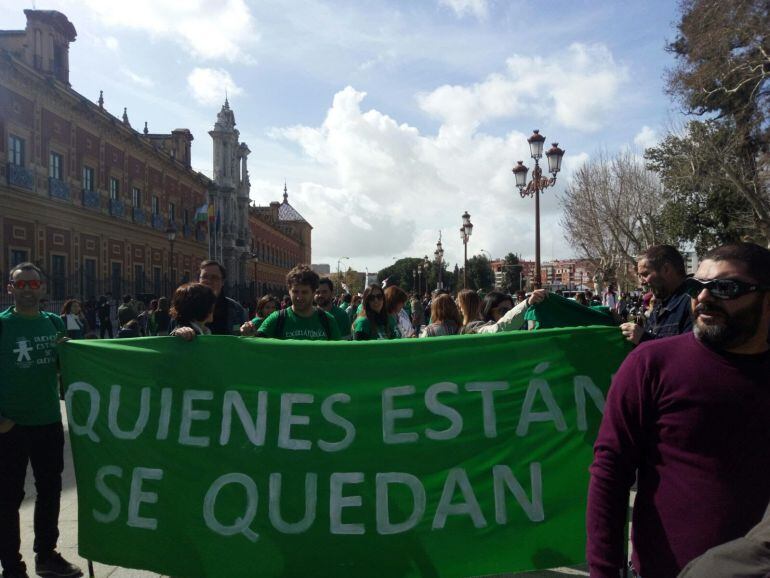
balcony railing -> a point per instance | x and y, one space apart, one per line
158 222
200 235
91 199
58 189
20 176
116 208
139 216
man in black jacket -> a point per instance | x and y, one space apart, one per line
229 315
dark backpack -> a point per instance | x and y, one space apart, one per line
280 327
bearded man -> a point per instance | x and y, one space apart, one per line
689 414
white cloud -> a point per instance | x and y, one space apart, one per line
646 138
579 86
389 189
477 8
209 85
208 29
143 81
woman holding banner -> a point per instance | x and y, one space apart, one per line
191 308
374 322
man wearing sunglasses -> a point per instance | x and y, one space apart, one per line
687 417
30 425
661 268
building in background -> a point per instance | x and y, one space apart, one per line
102 207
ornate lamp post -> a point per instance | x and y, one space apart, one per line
538 184
425 265
339 278
414 280
465 235
419 280
439 255
255 260
171 236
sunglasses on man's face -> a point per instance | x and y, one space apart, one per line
722 288
32 283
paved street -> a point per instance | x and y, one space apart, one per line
69 531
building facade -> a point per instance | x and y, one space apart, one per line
103 208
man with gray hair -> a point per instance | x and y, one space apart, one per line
661 268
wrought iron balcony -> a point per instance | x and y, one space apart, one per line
158 222
139 216
200 235
20 176
58 189
91 199
116 208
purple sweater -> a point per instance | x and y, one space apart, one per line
696 424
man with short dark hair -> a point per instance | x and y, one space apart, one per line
229 315
661 268
323 300
301 320
31 429
689 414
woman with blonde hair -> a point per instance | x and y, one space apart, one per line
469 303
445 318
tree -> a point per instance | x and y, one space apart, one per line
723 52
479 273
511 273
612 212
702 205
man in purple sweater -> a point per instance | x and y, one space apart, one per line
690 414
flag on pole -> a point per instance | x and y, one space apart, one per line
201 213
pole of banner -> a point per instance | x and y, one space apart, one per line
91 570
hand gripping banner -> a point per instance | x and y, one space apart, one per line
239 457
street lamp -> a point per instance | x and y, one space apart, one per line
255 260
465 234
171 236
339 278
538 183
419 280
439 255
414 281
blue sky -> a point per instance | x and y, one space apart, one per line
388 120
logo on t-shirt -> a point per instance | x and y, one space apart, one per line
23 349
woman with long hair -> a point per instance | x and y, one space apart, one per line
395 300
265 306
74 321
193 306
445 318
469 303
374 322
500 314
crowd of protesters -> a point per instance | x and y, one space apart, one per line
685 417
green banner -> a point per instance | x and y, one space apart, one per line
230 457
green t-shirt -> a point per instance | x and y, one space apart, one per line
362 325
29 393
343 321
257 322
296 327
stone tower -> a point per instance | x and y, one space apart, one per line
229 196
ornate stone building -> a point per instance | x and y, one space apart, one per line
102 207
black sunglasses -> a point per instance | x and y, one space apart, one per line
722 288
